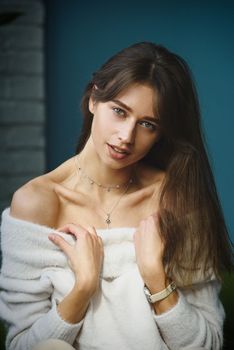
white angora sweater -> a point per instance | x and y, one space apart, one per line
35 274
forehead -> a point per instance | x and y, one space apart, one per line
140 98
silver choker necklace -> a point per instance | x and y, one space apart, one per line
106 187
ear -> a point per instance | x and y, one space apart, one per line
92 101
91 105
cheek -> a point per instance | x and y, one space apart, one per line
97 125
101 129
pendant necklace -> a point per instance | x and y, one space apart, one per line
108 213
105 187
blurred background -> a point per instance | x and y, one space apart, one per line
49 50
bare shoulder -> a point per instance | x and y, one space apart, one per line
36 201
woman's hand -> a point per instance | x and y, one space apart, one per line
85 257
149 249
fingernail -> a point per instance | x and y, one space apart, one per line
51 236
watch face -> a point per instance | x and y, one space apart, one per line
147 294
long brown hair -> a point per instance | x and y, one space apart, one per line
191 221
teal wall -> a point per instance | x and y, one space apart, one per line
81 35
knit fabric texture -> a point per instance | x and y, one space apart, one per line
35 275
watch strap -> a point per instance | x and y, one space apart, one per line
152 298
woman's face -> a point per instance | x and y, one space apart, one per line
125 128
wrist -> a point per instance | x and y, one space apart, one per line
157 283
73 307
166 304
85 289
159 295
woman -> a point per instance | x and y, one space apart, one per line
140 244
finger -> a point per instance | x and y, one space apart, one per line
100 239
92 230
100 242
101 246
61 243
136 235
154 216
72 229
142 225
155 219
143 221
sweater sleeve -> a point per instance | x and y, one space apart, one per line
27 288
30 314
195 321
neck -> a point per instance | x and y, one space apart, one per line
94 168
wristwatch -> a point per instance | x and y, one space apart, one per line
152 298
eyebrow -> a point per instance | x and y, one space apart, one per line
120 103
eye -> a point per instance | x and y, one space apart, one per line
148 125
118 111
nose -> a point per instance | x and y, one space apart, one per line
127 132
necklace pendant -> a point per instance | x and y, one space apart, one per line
108 221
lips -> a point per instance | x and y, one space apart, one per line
117 153
119 150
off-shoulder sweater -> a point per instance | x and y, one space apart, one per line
35 275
